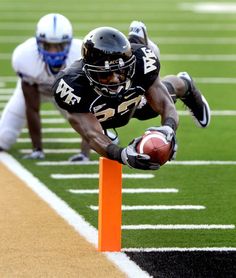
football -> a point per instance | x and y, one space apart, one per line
154 144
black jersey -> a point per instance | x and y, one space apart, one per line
74 93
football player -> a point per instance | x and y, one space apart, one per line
104 89
37 61
180 86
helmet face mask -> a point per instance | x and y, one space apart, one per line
109 62
53 36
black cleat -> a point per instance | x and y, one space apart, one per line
196 102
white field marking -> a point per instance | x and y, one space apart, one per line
4 97
182 57
213 112
7 91
127 190
52 140
156 207
195 40
49 112
96 176
179 227
53 130
199 57
209 7
73 218
180 249
53 151
160 40
162 26
201 162
53 120
67 163
215 80
8 78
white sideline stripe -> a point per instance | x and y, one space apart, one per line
96 176
70 216
127 190
156 207
180 249
55 151
52 140
53 130
178 227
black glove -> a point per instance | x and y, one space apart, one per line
35 154
170 137
130 157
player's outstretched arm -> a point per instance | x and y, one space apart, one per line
90 129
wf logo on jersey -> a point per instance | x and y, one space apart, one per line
65 90
149 60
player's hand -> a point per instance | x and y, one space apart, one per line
170 137
35 154
130 157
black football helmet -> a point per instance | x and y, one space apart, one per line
106 52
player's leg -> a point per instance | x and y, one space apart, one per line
13 119
183 87
138 34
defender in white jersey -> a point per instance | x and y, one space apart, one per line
37 61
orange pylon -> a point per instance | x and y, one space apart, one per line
110 200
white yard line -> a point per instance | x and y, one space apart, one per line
210 80
53 151
209 7
199 57
52 140
201 162
127 190
160 40
65 163
53 130
177 57
156 207
96 176
179 227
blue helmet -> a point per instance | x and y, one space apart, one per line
54 31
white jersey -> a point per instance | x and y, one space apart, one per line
29 65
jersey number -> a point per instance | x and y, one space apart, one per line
122 109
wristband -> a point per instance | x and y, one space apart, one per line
114 152
171 123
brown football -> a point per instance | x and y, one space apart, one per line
156 146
